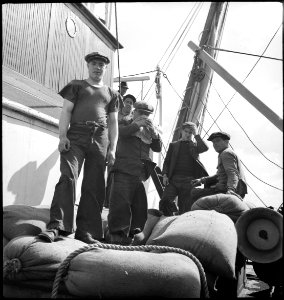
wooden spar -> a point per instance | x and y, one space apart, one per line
239 87
195 98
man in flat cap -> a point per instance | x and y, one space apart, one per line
230 178
128 200
88 133
181 166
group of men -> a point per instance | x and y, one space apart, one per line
95 129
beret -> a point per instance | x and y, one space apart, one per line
143 105
130 96
189 124
96 55
223 135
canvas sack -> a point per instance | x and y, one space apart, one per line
207 234
28 257
24 220
230 205
107 273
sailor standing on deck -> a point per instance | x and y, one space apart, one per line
230 178
91 109
128 200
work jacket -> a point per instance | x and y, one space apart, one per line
132 154
194 148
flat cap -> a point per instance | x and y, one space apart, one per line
144 106
223 135
189 124
96 55
130 96
123 84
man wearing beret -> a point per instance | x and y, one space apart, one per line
128 200
181 166
230 178
88 133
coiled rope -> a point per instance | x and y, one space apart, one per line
65 264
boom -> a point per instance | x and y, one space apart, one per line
238 86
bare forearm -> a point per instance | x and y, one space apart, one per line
112 134
64 122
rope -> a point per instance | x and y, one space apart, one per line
65 264
11 267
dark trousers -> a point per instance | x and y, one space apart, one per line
179 186
127 204
92 154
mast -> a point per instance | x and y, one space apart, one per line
197 89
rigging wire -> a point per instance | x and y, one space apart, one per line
183 35
224 50
186 28
176 34
118 66
248 74
244 130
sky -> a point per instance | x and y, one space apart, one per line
146 30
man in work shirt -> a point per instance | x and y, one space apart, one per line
230 178
88 133
128 200
180 167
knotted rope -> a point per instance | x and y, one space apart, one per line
65 264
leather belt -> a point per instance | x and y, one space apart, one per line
89 123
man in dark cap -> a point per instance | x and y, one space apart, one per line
128 200
181 166
230 178
88 133
123 88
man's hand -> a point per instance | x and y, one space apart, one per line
64 144
165 180
196 182
194 130
142 121
110 157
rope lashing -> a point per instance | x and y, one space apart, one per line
11 267
65 264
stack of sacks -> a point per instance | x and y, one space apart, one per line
227 204
106 273
29 258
